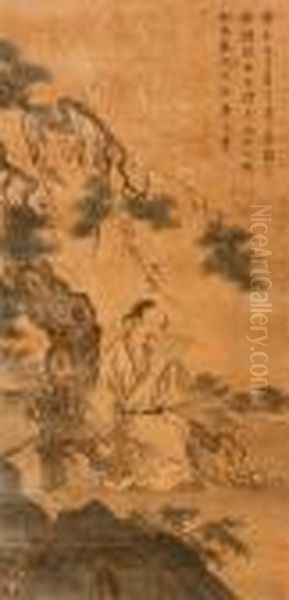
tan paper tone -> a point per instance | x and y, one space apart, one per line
143 300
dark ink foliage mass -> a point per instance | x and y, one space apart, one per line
22 238
17 76
9 309
93 208
227 252
155 210
268 400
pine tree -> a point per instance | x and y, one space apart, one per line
21 239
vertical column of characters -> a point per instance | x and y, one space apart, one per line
248 92
226 66
268 133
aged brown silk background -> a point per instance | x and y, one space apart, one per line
176 443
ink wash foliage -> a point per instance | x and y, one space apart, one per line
18 76
227 253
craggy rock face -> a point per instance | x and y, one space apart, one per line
90 554
107 577
46 585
